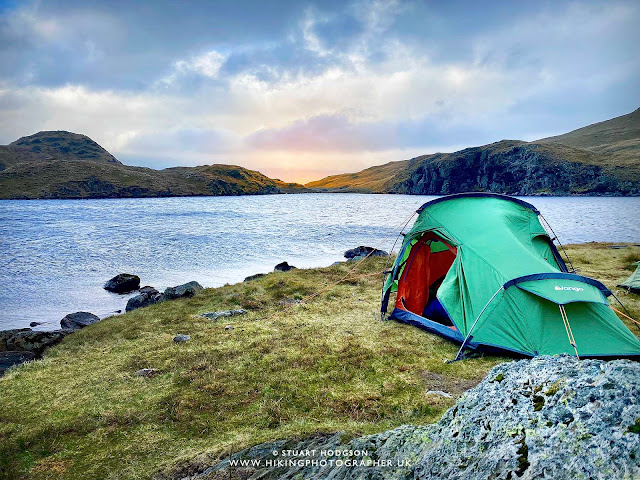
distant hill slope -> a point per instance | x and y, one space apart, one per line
373 179
68 165
601 159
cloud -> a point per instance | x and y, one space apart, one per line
206 65
314 87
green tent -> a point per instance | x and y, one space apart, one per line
633 282
480 269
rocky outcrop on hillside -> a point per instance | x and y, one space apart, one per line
549 417
515 168
600 159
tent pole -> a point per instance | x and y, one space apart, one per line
383 303
464 343
567 327
573 269
636 323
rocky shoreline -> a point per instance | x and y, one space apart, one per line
21 345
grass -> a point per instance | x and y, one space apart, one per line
324 366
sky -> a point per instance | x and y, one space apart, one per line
304 89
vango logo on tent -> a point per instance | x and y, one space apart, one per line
575 289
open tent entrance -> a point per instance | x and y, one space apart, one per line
426 264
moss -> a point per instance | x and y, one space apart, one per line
538 403
523 456
554 387
635 428
499 378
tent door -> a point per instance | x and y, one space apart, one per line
427 264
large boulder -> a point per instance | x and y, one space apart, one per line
362 251
36 342
147 296
283 267
7 335
123 283
549 417
9 359
78 320
23 344
186 290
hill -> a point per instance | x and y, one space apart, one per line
373 179
319 367
601 159
68 165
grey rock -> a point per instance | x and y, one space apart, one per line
549 417
363 251
27 340
223 314
181 338
6 335
186 290
10 359
440 393
253 277
228 327
78 320
283 267
35 324
123 283
147 372
147 296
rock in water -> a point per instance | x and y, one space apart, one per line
186 290
283 267
9 359
549 417
7 335
363 251
35 342
123 283
78 320
147 296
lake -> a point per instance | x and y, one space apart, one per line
55 255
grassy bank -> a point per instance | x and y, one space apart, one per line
281 371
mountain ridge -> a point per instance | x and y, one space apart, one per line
61 164
599 159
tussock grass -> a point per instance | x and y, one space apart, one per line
286 369
611 267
